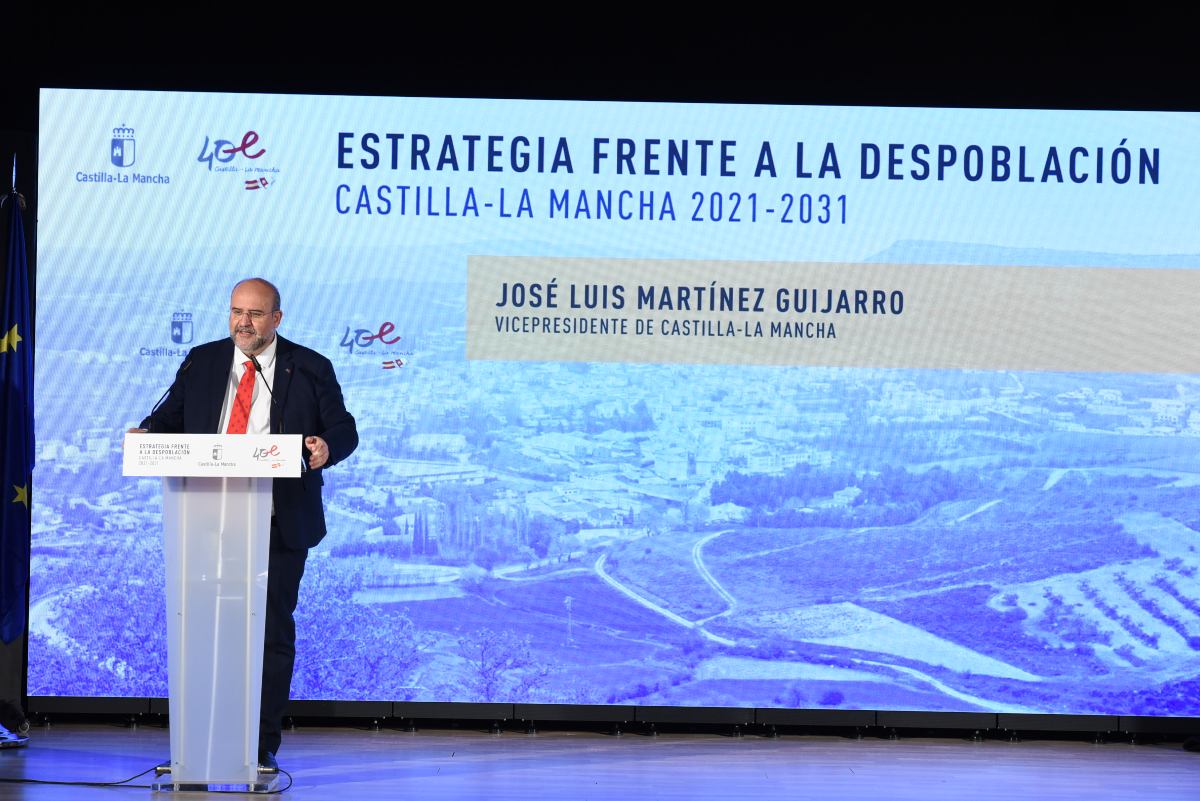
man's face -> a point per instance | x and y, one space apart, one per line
252 321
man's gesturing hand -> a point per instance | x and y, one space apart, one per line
318 452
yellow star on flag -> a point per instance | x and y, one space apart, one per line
10 340
22 495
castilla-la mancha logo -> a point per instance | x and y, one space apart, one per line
123 151
181 328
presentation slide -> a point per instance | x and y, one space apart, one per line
659 404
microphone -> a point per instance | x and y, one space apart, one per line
258 369
187 365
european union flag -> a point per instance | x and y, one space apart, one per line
16 416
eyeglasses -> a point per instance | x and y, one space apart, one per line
254 314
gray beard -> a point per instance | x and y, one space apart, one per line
256 345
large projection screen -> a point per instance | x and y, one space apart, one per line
669 404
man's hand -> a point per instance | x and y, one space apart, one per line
318 452
136 431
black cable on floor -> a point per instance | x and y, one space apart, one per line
125 783
285 788
122 783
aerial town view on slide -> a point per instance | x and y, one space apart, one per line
677 535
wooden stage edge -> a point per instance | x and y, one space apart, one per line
473 762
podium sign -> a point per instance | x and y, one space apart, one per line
216 525
217 455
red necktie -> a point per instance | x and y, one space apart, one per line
240 415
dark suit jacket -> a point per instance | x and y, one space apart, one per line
308 401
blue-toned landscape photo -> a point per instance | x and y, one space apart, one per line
525 530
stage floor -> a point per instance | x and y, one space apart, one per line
348 764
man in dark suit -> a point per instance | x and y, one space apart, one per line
219 389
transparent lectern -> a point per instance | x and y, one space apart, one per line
216 529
